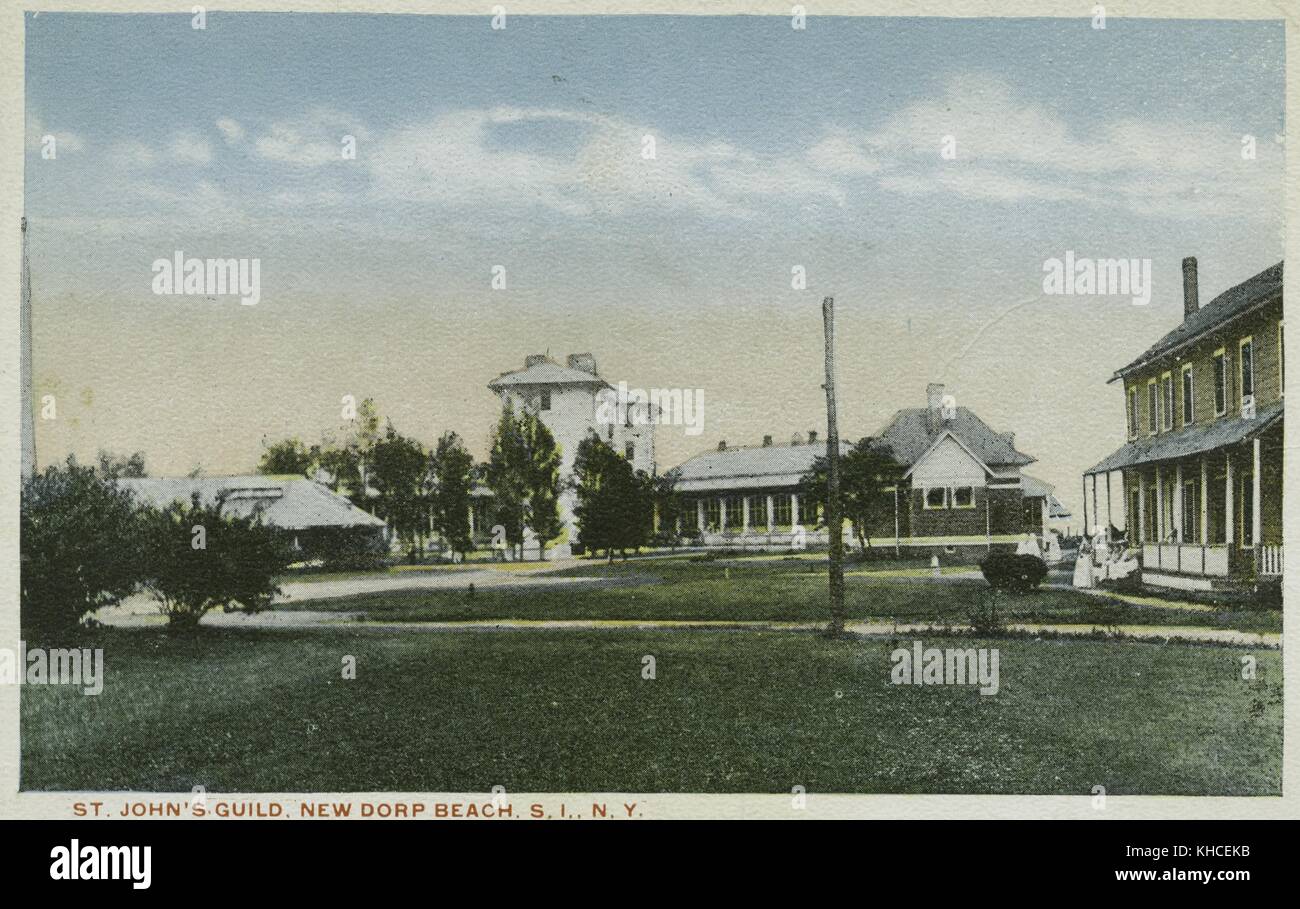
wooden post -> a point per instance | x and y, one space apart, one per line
1085 503
834 526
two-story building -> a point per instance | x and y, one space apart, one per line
1201 472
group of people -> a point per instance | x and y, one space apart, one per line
1101 559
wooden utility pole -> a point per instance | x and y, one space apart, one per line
834 523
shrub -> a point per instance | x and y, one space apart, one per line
345 548
80 545
1017 573
199 558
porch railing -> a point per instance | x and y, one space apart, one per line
1269 560
1186 558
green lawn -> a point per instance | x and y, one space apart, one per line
766 590
729 712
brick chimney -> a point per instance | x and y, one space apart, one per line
934 405
1191 301
534 360
584 362
767 441
722 446
796 439
812 437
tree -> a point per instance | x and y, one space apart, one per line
615 504
346 460
668 507
399 473
114 467
452 467
867 470
507 476
200 558
80 547
542 513
289 456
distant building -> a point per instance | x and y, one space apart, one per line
1201 472
304 509
573 401
962 486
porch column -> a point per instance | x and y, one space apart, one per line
1228 533
771 516
722 514
699 514
794 509
1141 535
1254 498
1205 502
1178 502
1085 501
744 514
471 521
1160 505
1094 505
1109 519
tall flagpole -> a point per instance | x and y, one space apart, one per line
28 429
834 523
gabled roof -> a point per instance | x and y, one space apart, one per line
1034 488
1189 440
911 434
1235 301
547 373
766 467
946 434
288 503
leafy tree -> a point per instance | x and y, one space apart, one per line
80 547
508 475
542 513
399 473
289 456
200 558
453 473
615 504
346 459
668 507
866 471
114 467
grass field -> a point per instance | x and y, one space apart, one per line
768 590
569 711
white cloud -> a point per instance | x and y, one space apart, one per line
231 130
64 140
132 154
310 141
191 149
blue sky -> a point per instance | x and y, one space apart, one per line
521 147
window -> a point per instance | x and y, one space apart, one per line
963 497
546 399
1220 382
936 497
1167 400
629 451
781 510
1246 366
1132 411
1153 408
712 514
1189 397
735 512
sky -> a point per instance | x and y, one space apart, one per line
522 151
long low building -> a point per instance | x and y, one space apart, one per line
961 485
305 510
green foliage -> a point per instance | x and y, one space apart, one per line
199 558
615 504
507 475
114 467
345 548
542 513
290 456
1017 573
79 540
452 467
867 470
399 473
